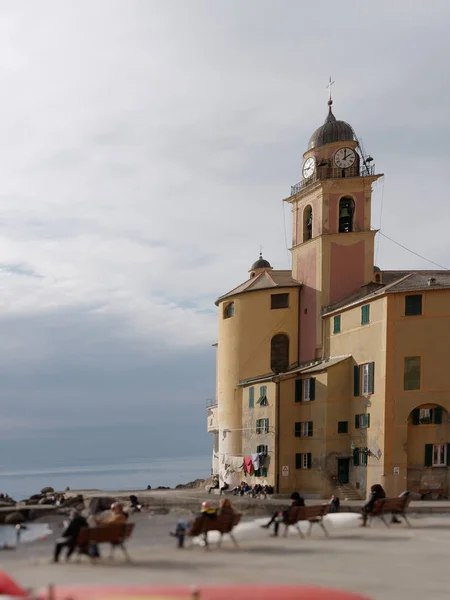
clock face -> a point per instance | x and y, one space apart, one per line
344 158
309 167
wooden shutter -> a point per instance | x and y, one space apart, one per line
438 415
310 428
298 390
312 389
356 380
258 425
368 420
416 416
371 377
251 397
428 455
297 429
298 461
308 460
356 421
356 457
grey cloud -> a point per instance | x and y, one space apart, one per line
20 269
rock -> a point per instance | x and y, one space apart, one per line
6 503
192 484
45 501
47 490
14 518
162 487
35 497
73 501
100 504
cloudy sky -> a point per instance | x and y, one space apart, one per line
146 146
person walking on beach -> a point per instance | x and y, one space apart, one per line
69 537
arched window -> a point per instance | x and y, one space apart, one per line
279 353
346 212
228 311
307 223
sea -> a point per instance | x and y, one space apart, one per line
94 458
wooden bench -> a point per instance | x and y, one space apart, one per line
224 524
313 514
432 489
385 506
116 535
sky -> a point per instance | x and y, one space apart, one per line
146 148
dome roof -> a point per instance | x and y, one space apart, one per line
331 131
260 264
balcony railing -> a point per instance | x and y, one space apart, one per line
327 172
211 402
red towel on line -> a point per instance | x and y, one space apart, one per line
248 464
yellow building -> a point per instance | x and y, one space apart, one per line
333 377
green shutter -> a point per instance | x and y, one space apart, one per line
337 324
297 430
298 390
356 388
298 461
356 457
448 455
356 421
310 428
371 377
251 397
416 416
428 455
308 460
312 389
365 314
258 425
368 420
438 415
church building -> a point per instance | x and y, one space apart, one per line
334 376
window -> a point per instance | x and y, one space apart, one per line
251 397
346 211
363 379
262 425
360 457
362 421
307 223
365 314
279 353
309 389
303 461
279 301
343 427
427 416
228 311
413 305
261 472
437 455
411 377
262 400
304 429
337 324
262 449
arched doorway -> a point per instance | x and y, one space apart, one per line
428 450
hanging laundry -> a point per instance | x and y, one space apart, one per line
236 462
248 464
262 458
255 461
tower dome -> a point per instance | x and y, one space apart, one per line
331 131
261 263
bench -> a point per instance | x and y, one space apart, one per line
224 524
116 535
396 506
313 514
435 490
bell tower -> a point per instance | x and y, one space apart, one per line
332 242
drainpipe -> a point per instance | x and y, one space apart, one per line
277 436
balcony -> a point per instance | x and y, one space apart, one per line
328 172
212 416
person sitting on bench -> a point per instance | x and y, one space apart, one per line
278 517
376 493
69 536
215 485
404 494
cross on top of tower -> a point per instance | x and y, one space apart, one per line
330 83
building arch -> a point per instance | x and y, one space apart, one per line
279 353
346 214
307 223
